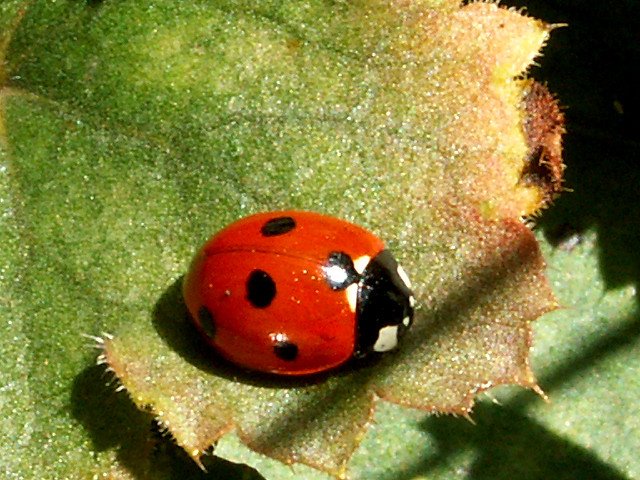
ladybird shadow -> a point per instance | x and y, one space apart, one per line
172 321
111 420
114 422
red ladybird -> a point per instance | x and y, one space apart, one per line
295 293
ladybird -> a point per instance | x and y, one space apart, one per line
296 293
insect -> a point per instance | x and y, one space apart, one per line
295 293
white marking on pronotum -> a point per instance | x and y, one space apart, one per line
404 277
412 301
352 296
406 321
361 263
387 339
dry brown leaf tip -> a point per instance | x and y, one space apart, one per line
544 126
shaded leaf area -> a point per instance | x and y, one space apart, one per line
590 65
144 128
508 444
143 449
597 359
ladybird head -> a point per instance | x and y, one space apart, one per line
384 305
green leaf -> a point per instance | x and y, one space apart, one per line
144 128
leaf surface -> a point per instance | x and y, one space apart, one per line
145 128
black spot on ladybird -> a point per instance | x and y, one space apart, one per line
261 289
285 350
278 226
207 322
339 271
